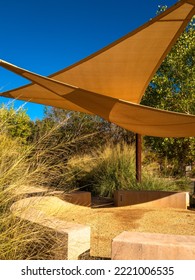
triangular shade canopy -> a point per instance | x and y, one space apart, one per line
111 82
141 119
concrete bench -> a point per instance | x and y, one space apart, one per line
72 239
160 199
152 246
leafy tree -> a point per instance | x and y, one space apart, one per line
173 88
15 123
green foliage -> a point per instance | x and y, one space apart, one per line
15 122
103 171
172 88
173 154
110 169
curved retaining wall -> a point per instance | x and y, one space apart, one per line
160 199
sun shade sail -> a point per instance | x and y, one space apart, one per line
141 119
111 82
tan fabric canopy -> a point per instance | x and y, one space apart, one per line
111 82
134 117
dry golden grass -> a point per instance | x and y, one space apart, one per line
106 223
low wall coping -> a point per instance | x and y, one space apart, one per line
148 246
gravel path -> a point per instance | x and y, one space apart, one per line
106 223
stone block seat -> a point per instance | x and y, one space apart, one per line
72 239
152 246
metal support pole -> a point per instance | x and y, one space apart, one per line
138 157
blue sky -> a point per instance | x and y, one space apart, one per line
47 36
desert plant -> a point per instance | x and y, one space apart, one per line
102 171
18 238
112 168
23 166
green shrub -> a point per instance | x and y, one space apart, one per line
16 123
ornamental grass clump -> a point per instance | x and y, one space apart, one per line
113 168
19 239
103 171
39 165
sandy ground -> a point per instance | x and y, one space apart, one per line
107 223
